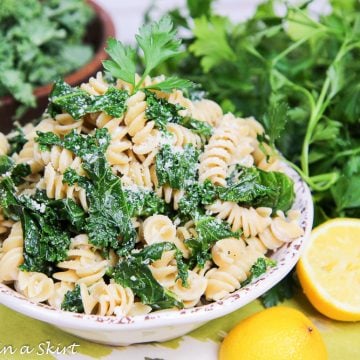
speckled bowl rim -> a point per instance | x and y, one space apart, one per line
286 257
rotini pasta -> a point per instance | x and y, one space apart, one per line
208 111
35 286
56 189
12 254
84 263
4 145
251 221
228 141
148 186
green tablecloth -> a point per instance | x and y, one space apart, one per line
342 339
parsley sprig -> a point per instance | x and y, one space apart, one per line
158 43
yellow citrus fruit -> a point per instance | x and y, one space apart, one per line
329 269
278 333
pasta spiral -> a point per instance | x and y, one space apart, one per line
5 224
165 270
182 136
135 118
266 159
177 97
191 294
4 145
56 189
96 85
12 254
282 230
84 263
105 300
235 260
61 159
208 111
58 295
35 286
66 123
224 147
30 153
170 195
159 228
251 221
116 152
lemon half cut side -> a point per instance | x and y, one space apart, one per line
329 269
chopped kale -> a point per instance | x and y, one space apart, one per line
113 102
209 230
8 200
244 186
71 100
259 268
199 127
176 168
6 163
73 301
154 252
46 235
89 147
133 273
144 202
161 111
48 139
69 210
109 221
196 195
16 140
254 187
78 103
164 112
19 172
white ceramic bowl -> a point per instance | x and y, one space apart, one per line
166 325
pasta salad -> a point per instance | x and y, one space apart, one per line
130 195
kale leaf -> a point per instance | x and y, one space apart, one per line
199 127
144 202
260 267
78 103
196 195
244 186
113 102
73 301
209 230
136 275
154 252
46 234
16 140
6 163
109 221
176 168
164 112
39 41
68 210
18 171
161 111
254 187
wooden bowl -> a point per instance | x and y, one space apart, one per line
100 28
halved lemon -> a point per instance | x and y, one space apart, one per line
329 269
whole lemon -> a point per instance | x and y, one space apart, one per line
278 333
